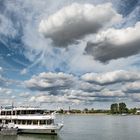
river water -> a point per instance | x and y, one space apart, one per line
91 127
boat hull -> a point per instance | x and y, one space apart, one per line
38 131
52 129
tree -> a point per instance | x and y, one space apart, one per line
132 111
61 111
85 110
123 108
114 108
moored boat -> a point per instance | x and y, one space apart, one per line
29 120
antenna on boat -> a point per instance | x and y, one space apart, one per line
12 111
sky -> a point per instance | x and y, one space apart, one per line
78 53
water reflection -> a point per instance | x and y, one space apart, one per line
2 137
38 137
31 137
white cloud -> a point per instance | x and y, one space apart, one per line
39 50
50 81
1 69
133 87
24 71
115 43
5 101
49 99
5 91
135 97
111 77
103 93
25 95
112 93
6 26
77 20
61 87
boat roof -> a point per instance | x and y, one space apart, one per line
29 117
9 108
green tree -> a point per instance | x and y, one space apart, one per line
123 108
114 108
61 111
132 111
85 110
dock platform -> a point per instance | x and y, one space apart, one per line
9 131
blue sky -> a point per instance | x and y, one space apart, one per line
78 53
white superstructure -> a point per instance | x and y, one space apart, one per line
29 120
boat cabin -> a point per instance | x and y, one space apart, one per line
20 111
28 122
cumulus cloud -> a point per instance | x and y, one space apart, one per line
87 97
88 87
103 93
54 86
5 101
49 99
25 95
77 20
50 81
111 93
115 43
135 97
111 77
78 97
5 91
59 83
133 87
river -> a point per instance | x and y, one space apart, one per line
91 127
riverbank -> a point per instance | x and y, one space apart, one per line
100 114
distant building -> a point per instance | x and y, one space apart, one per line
138 111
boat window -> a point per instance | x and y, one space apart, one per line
15 121
18 112
42 122
13 112
8 112
52 131
7 121
35 122
41 111
22 112
32 112
3 121
3 113
23 122
49 121
29 122
19 121
27 112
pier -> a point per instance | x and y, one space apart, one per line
9 131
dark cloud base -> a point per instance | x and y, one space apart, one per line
105 51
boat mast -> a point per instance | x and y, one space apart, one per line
12 112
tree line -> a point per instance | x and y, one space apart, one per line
115 108
121 108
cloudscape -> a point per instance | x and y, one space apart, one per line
70 52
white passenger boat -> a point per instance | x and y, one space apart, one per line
29 120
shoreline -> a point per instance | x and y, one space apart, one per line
99 114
